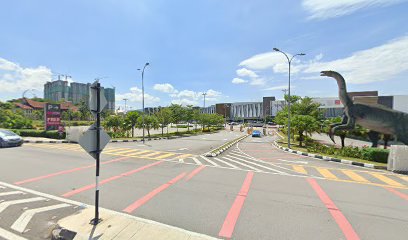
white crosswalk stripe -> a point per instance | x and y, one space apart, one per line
10 193
6 204
256 164
226 163
21 223
241 163
9 235
208 160
196 161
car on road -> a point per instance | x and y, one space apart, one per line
10 139
256 133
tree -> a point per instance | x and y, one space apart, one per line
131 120
164 118
150 122
113 123
304 125
196 117
84 110
10 119
188 115
177 114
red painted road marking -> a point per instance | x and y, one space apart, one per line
399 194
233 214
153 193
340 219
90 186
195 172
67 171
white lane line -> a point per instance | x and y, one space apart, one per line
9 235
259 165
196 161
2 187
240 155
6 204
182 149
243 164
10 193
208 160
301 162
226 163
21 223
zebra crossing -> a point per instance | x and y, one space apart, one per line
117 151
235 159
25 215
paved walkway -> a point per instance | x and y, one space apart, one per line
324 138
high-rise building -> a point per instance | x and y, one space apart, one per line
75 92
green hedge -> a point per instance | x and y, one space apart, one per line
38 133
366 153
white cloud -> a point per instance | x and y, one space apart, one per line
271 60
376 64
238 81
164 87
243 72
212 93
324 9
135 95
185 102
15 79
281 87
258 82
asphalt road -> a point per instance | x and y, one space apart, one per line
251 191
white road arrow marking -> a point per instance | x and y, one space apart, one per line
4 205
21 223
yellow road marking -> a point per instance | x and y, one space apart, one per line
326 173
115 149
299 169
152 154
127 151
404 178
387 180
138 153
183 156
354 176
165 155
369 183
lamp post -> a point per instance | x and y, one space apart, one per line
125 99
289 62
143 123
204 99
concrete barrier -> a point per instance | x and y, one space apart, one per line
398 159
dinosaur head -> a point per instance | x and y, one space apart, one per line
328 73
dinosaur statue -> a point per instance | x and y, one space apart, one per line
376 118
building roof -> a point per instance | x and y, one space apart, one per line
22 106
68 105
35 104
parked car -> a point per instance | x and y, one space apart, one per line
256 133
10 139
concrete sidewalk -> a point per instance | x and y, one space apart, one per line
116 225
325 139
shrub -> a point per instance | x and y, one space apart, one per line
38 133
375 154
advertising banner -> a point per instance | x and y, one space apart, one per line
52 116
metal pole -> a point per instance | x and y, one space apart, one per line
143 106
289 108
96 220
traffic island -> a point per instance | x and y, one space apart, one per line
115 225
217 151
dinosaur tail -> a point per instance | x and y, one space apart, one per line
344 97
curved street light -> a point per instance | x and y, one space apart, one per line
143 107
289 62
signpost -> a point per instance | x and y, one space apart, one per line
52 116
95 139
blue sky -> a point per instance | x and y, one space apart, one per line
221 47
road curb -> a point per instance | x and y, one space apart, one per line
112 141
224 147
331 159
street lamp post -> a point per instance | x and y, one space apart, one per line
289 62
125 99
143 107
204 100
